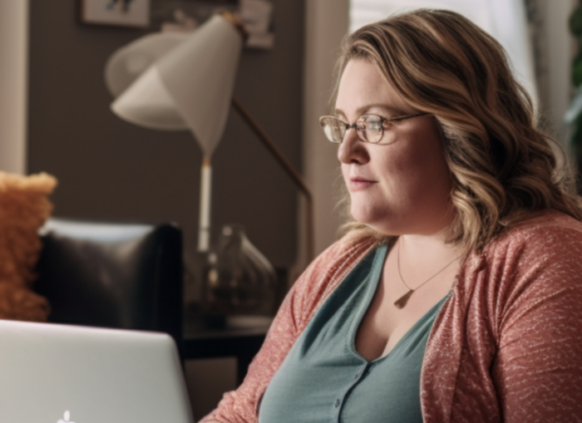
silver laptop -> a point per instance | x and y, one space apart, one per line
64 374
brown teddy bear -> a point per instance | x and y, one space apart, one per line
24 207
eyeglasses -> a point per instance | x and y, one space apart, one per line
370 128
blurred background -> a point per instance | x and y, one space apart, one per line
55 117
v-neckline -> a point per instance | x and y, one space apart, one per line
355 327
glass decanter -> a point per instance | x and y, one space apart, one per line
238 279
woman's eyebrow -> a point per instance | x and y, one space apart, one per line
392 111
339 113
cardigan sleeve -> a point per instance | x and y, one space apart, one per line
312 287
538 368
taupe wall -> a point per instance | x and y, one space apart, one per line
110 169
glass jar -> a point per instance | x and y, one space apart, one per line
238 279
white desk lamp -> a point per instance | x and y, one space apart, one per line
173 81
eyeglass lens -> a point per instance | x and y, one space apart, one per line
369 128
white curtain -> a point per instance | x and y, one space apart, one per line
504 19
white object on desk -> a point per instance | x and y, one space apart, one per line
90 374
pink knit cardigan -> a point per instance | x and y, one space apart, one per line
505 347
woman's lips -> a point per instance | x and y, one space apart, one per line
358 184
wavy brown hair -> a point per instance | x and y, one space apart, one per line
503 167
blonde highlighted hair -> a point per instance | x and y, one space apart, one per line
503 167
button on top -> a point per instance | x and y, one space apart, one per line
357 375
337 403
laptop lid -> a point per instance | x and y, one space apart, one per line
64 374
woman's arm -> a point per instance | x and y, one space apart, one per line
538 368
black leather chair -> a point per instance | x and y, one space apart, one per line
113 275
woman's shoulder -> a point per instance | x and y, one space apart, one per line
532 271
337 259
538 257
325 273
541 252
549 231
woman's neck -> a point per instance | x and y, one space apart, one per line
420 254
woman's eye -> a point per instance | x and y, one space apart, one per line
374 125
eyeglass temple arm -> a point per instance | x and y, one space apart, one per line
291 172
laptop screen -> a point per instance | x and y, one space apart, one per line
68 374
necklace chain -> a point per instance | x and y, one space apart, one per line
401 302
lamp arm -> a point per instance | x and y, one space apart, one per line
289 169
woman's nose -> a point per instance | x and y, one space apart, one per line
351 149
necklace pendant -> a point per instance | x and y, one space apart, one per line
401 302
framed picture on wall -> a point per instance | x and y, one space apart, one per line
134 13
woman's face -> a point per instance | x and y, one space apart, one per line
400 188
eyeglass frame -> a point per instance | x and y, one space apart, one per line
354 125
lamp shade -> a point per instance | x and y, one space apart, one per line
189 87
130 61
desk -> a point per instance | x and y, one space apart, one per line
242 338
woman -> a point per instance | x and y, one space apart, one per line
456 296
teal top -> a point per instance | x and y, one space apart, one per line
324 379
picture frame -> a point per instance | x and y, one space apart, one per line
130 13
